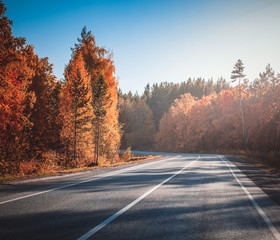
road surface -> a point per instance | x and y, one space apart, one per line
185 196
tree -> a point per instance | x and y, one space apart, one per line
100 100
99 62
15 75
75 110
142 126
42 85
174 126
237 74
26 86
80 99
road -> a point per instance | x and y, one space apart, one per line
185 196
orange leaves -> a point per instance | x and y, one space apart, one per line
174 125
77 108
214 122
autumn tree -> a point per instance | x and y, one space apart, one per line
42 85
26 87
174 127
15 78
99 62
75 110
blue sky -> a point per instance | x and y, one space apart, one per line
156 40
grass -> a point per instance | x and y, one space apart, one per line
59 170
269 161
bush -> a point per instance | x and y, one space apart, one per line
127 154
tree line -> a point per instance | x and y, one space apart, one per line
140 116
206 117
46 123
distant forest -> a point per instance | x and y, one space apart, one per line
140 115
84 120
205 116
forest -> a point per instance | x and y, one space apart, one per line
201 116
47 123
85 119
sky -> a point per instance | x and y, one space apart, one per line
154 41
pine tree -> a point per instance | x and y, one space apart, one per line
237 74
100 101
79 94
74 107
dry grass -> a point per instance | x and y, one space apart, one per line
269 161
58 170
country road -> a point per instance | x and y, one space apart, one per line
185 196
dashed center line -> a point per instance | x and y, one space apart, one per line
113 217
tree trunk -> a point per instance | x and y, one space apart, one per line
75 135
245 137
277 137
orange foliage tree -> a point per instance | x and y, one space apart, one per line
174 125
26 90
75 113
93 62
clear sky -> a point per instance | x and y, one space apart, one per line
156 40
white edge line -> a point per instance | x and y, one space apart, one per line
256 205
113 217
84 181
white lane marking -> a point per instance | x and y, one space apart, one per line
113 217
86 180
256 205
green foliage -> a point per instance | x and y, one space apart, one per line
100 97
99 102
237 72
139 127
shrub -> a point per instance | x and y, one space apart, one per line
127 154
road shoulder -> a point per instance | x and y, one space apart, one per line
264 179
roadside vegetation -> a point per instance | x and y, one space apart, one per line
34 170
199 116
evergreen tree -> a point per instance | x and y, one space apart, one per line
75 110
79 94
237 74
100 101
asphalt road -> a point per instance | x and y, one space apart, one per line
176 197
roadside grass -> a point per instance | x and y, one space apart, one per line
56 170
269 161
